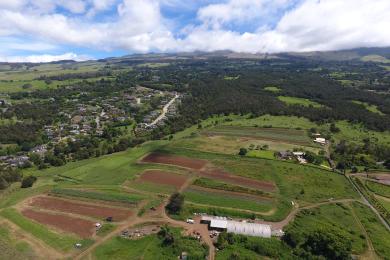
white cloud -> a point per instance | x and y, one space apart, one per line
139 25
44 58
239 11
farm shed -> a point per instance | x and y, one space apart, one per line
320 140
236 227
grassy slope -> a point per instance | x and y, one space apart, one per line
149 247
299 101
331 217
378 188
378 234
226 200
369 107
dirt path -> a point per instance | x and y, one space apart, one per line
370 253
367 202
281 224
42 250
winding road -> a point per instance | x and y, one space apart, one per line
164 112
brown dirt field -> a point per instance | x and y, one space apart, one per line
238 180
186 162
161 177
81 227
80 208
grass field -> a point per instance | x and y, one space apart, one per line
273 89
152 188
150 247
378 234
369 107
234 201
218 185
293 136
261 154
255 248
104 196
385 202
335 217
378 188
299 101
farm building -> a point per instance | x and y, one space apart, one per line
236 227
320 140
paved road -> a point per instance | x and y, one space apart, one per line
164 112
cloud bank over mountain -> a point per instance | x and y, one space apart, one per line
96 28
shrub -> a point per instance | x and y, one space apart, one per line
28 181
175 204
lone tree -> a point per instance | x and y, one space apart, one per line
28 181
175 203
243 151
167 236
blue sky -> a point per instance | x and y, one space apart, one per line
47 30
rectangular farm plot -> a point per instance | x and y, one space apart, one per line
291 136
81 227
164 178
180 161
84 209
238 180
227 200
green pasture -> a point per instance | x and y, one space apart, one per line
231 77
385 202
197 196
96 195
261 154
369 107
218 185
299 101
379 236
149 187
375 58
108 170
336 218
273 89
378 188
293 136
348 131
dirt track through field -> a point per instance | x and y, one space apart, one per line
81 227
91 210
162 177
238 180
195 164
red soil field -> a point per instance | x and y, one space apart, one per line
81 227
186 162
90 210
161 177
238 180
